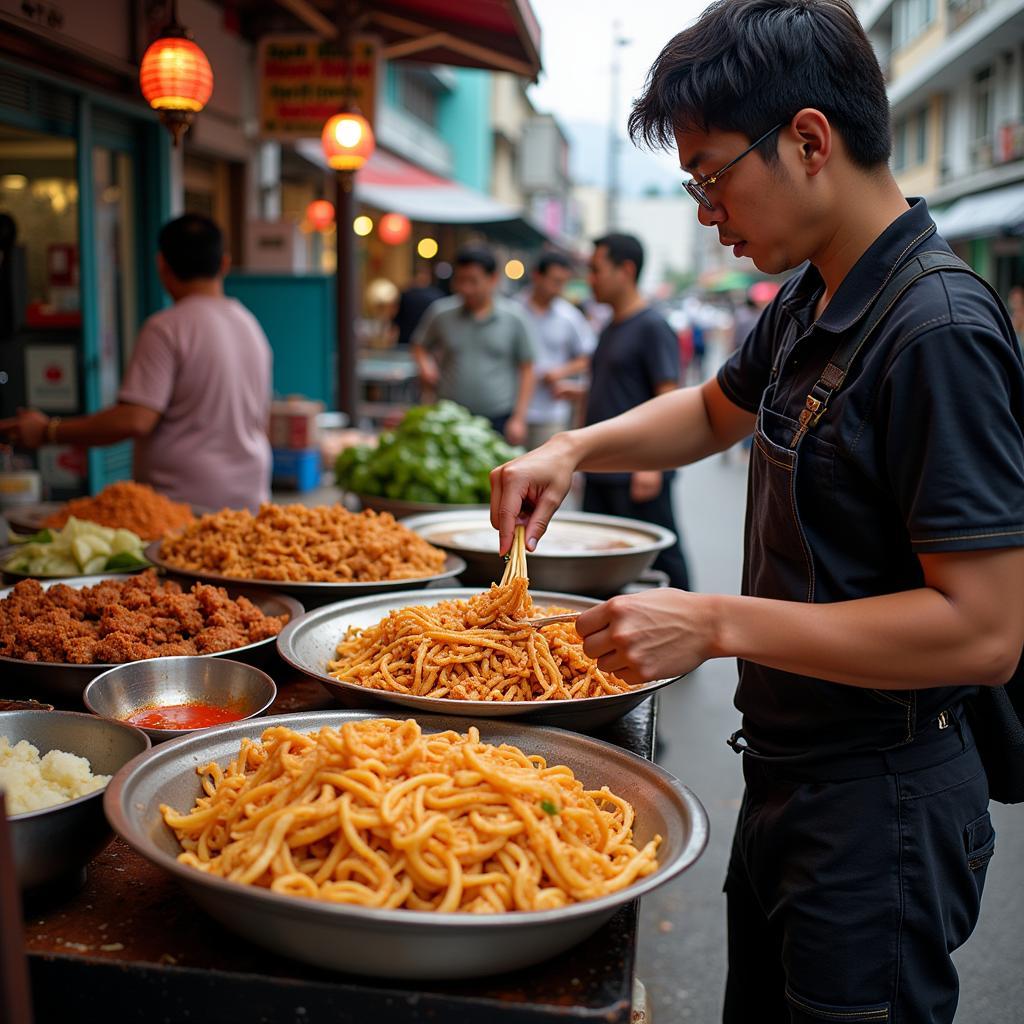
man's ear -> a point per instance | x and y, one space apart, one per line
225 265
813 133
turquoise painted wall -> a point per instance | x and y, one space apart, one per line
297 314
465 124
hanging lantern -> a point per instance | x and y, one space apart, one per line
176 77
320 214
394 228
347 141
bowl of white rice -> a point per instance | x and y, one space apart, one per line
54 766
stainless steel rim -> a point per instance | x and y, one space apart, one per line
661 537
113 804
441 705
453 565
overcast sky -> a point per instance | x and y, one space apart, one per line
575 85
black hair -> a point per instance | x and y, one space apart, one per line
621 248
747 65
476 255
552 259
192 246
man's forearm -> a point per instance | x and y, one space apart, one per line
910 640
109 426
668 431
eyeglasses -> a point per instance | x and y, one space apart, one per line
696 188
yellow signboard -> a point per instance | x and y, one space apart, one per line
305 79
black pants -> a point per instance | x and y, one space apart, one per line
612 499
846 896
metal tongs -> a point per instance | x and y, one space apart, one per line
515 565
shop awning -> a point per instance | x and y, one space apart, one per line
393 185
497 35
983 215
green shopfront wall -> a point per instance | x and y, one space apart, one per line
297 314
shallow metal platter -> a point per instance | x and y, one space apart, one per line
32 518
399 507
19 678
311 642
312 595
568 557
404 943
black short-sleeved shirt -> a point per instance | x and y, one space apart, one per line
632 358
921 450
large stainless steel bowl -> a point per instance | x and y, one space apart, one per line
399 507
568 557
405 943
56 842
312 595
167 682
311 642
63 681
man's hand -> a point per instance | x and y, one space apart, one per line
528 490
27 429
569 389
645 486
515 430
429 375
654 635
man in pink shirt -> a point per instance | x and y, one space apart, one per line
195 397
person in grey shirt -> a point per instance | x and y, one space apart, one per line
565 344
477 348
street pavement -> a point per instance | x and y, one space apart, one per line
682 953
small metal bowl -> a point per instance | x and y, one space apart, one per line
55 843
161 682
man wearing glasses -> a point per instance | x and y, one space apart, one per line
883 573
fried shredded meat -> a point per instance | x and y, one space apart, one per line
128 506
326 544
127 620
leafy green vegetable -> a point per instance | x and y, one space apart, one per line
40 537
548 807
438 453
125 560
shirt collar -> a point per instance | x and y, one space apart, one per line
867 277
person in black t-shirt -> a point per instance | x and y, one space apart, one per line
637 358
414 301
883 579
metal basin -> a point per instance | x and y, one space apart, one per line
309 643
65 681
405 943
311 594
121 691
569 556
57 842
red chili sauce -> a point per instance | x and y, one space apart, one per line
183 716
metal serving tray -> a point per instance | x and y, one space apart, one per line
312 595
311 642
19 678
572 571
404 943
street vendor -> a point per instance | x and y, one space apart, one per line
884 544
195 397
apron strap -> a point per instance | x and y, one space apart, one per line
834 374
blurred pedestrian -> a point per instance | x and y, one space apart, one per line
421 292
195 397
637 358
477 348
565 344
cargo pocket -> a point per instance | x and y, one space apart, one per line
979 842
805 1011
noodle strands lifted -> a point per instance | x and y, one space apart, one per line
376 814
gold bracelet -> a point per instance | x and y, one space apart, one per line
51 429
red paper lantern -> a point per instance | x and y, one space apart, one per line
347 141
320 214
175 77
394 228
